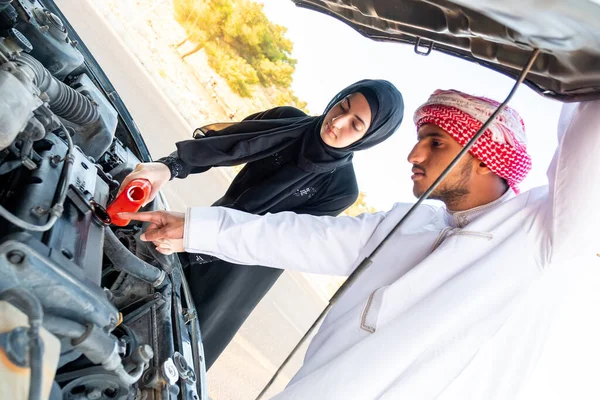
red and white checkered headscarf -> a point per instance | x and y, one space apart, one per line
502 147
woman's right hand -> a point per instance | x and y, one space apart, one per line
154 172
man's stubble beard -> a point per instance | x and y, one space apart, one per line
453 193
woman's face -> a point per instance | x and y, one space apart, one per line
347 122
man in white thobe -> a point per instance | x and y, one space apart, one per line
458 302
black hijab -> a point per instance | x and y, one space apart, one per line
251 140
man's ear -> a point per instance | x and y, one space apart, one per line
482 169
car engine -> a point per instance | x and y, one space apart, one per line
120 311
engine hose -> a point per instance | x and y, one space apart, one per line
63 327
4 4
58 207
126 261
31 306
65 101
98 346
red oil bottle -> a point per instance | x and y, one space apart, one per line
130 200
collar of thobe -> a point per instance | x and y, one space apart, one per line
460 219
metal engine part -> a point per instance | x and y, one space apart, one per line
98 386
95 138
86 110
31 306
115 305
64 100
56 281
49 38
4 4
19 97
77 236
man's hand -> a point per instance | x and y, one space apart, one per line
163 224
169 246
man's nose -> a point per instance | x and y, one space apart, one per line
417 155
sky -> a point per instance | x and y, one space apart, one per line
331 55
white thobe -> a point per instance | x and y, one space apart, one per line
456 305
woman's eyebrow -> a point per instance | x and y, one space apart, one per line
359 118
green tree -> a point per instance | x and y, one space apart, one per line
360 206
261 43
203 21
241 44
285 97
239 75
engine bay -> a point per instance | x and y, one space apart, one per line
120 310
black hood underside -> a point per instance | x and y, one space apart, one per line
500 35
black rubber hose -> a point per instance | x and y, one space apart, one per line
126 261
65 101
148 249
4 4
90 340
31 306
63 327
98 346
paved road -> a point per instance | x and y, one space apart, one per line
292 305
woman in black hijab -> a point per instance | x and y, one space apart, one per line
294 162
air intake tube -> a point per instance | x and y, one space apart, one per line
64 100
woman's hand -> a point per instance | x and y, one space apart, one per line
154 172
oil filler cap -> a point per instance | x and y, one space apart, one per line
20 39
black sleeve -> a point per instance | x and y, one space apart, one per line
180 169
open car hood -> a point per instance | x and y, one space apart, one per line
497 34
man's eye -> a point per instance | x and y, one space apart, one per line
435 143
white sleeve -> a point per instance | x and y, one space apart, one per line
572 217
324 245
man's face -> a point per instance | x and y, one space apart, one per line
434 151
